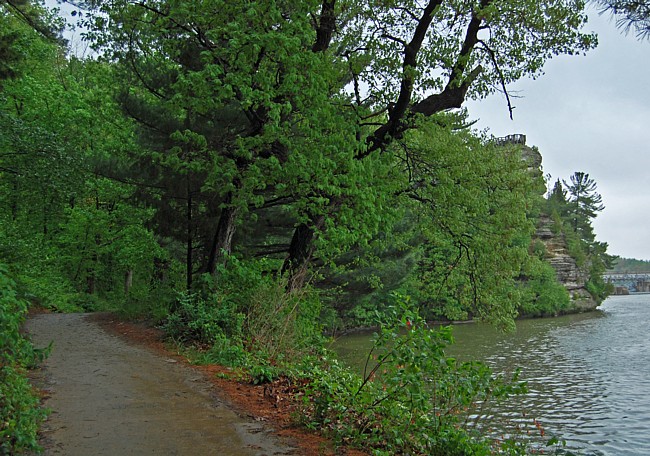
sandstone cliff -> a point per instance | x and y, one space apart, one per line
568 273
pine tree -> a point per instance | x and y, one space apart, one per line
557 200
585 204
630 14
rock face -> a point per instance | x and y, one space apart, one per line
533 159
621 291
568 273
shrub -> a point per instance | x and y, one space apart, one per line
20 415
203 320
411 399
542 294
224 351
247 307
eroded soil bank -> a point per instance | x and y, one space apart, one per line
109 397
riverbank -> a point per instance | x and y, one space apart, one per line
588 374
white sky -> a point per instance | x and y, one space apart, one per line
592 114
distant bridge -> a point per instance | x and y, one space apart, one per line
626 276
626 282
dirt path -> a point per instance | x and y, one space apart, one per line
110 398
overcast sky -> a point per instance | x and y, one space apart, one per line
592 114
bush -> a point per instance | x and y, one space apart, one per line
244 306
280 326
542 295
223 351
203 320
411 399
20 415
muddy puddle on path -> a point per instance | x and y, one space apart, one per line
110 398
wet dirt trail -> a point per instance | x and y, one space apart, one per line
111 398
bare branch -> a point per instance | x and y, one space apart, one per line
452 96
408 12
502 81
396 115
394 38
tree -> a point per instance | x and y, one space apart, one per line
631 14
557 198
294 72
35 163
20 411
573 206
584 204
403 65
36 17
463 241
64 226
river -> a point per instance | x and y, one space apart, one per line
588 375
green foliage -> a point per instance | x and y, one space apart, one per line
204 321
411 399
261 373
20 414
251 309
557 226
583 205
630 265
273 114
71 235
600 262
542 294
222 350
630 14
572 208
197 143
471 202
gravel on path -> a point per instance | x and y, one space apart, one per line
111 398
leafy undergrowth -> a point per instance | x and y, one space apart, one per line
20 412
411 398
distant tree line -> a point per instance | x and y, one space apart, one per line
630 265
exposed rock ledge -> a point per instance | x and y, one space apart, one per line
568 273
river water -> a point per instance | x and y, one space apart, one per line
588 375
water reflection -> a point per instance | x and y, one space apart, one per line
588 375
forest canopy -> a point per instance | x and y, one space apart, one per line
323 144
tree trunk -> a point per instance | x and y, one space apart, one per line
128 281
189 254
222 242
301 251
91 277
14 200
160 269
90 283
